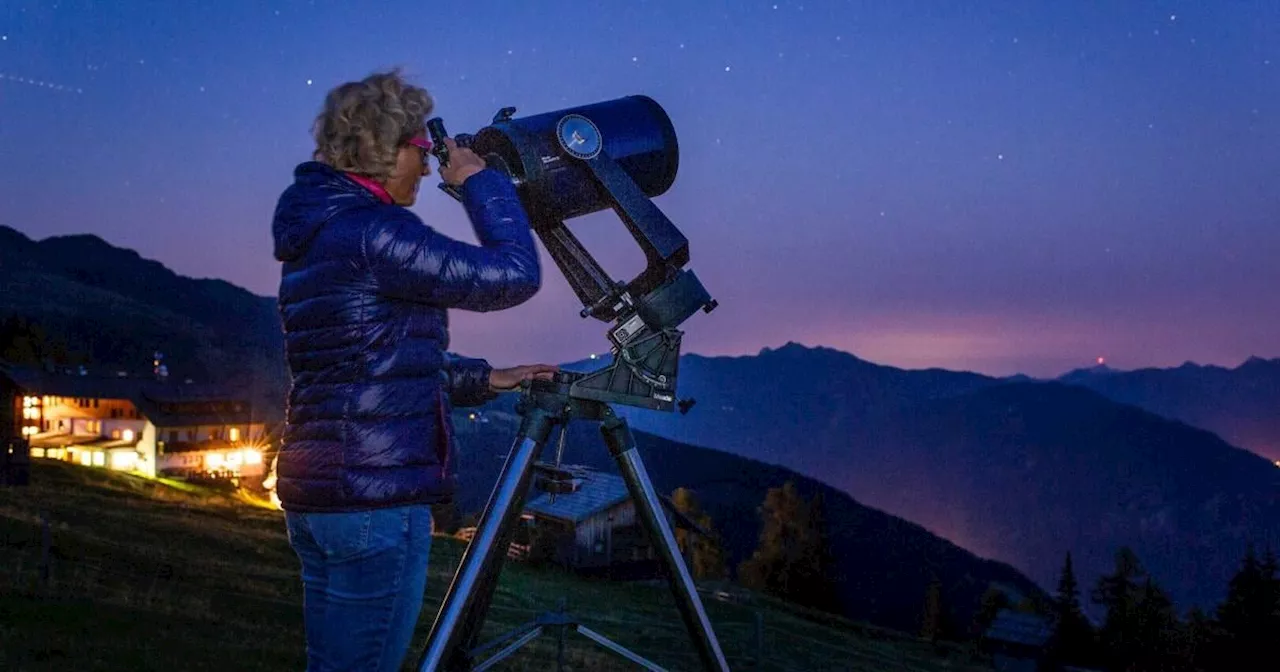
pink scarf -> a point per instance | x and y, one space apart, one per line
372 186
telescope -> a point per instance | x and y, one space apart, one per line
616 154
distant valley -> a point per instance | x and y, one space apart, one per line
1018 470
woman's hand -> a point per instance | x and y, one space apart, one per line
504 380
463 163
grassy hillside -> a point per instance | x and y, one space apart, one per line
150 575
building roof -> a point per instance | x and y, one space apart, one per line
597 491
1018 627
164 403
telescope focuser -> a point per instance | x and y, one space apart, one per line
435 127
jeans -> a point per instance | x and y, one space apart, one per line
364 574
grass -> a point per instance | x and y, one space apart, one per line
152 575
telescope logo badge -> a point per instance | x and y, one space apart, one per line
579 136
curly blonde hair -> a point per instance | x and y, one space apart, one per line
363 124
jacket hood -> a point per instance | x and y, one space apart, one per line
317 195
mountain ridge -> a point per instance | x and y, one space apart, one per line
115 309
968 457
136 299
796 406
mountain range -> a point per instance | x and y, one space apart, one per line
885 563
1241 404
1016 470
111 308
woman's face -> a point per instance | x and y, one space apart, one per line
411 167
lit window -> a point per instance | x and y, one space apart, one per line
234 434
127 435
124 461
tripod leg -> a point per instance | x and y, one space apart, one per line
458 620
621 443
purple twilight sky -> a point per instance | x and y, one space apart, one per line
999 186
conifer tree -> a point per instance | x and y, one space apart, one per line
1249 617
1141 630
1118 594
1073 637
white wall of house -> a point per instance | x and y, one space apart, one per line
147 464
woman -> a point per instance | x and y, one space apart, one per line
365 287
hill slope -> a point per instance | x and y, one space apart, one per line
1026 472
149 577
1020 472
116 308
885 563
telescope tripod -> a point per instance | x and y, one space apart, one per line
543 407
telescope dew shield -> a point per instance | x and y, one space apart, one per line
554 183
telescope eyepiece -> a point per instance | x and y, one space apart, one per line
435 128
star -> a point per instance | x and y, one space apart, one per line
308 84
726 68
4 38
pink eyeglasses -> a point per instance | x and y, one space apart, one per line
425 144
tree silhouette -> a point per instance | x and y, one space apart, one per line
1249 617
992 601
26 342
706 556
1073 637
792 560
1141 630
931 626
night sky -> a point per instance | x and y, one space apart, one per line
1023 187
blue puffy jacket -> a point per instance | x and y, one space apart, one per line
364 292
